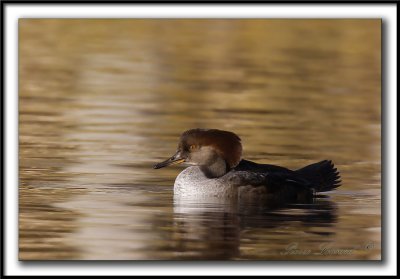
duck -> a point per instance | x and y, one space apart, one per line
215 169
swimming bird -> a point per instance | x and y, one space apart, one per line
216 169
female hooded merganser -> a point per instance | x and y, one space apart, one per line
218 170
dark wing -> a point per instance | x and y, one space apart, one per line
281 184
274 175
246 165
321 176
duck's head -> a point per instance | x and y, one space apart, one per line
215 151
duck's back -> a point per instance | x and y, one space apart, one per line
319 177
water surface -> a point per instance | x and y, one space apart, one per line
100 101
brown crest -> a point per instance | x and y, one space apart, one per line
226 144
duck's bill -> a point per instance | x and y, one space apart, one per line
174 160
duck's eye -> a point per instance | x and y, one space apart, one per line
192 147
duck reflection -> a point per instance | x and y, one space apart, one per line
217 229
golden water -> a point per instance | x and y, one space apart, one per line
100 101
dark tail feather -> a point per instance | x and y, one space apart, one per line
322 175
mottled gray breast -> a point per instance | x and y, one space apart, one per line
192 183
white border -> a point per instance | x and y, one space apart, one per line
13 12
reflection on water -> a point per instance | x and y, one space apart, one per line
102 100
250 231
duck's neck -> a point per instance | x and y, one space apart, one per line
217 169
